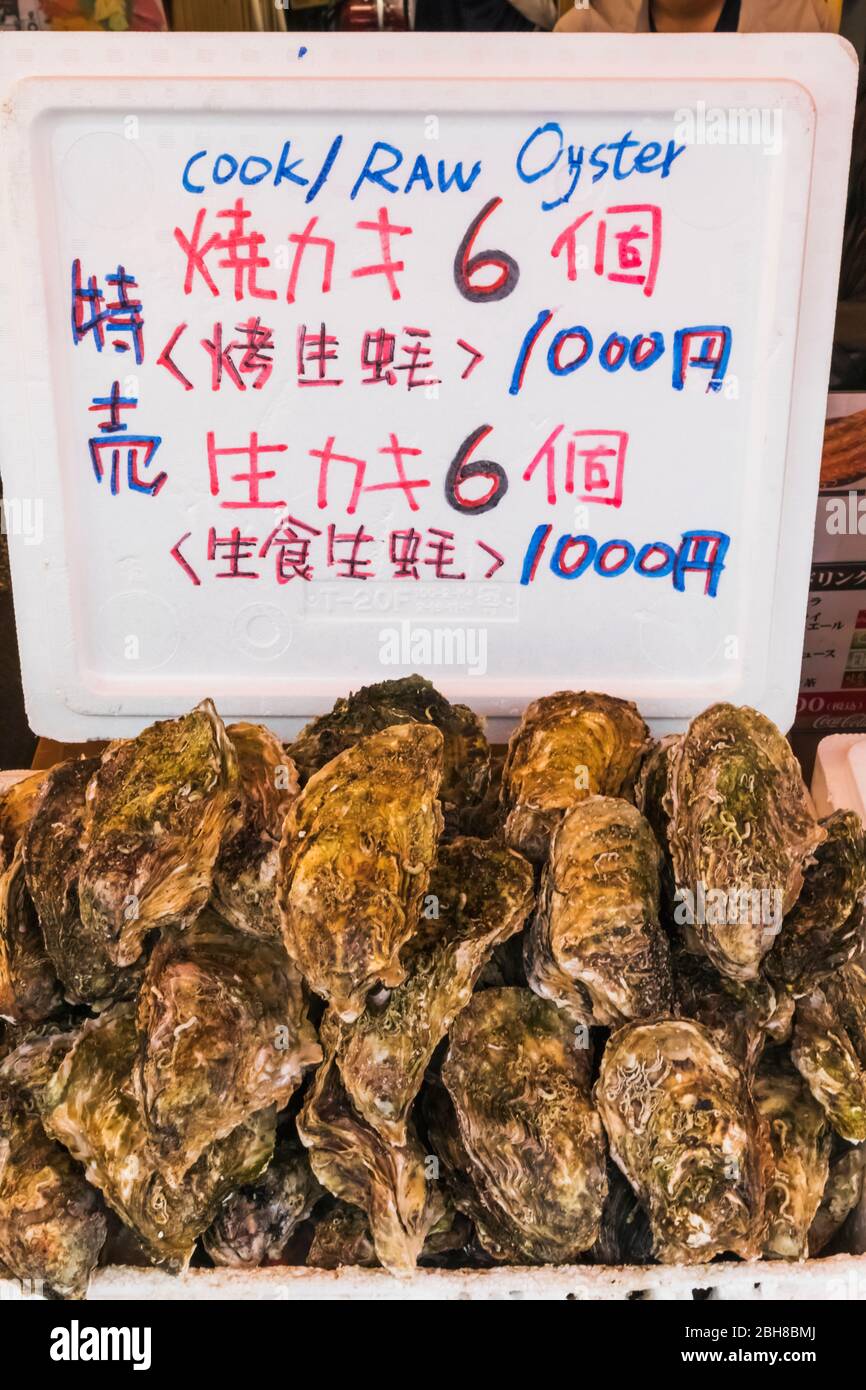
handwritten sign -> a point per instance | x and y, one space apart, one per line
326 379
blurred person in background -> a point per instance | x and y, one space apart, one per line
454 15
700 17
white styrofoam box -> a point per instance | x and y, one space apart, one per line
112 151
839 778
840 1277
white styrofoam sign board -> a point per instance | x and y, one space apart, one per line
253 392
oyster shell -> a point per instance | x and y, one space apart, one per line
567 747
652 784
801 1144
741 828
53 851
842 1195
482 894
387 1181
17 805
342 1239
466 757
52 1223
823 1054
223 1033
245 873
255 1225
89 1106
825 927
683 1129
355 861
743 1017
625 1237
596 947
29 990
157 810
523 1144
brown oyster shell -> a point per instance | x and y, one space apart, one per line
521 1142
683 1129
355 861
157 810
596 947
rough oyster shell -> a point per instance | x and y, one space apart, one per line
466 758
89 1107
52 1223
567 747
823 1053
596 947
157 811
482 894
29 990
255 1225
825 928
355 862
683 1129
741 828
523 1144
53 852
801 1144
222 1033
245 873
387 1181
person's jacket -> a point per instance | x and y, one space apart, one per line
756 17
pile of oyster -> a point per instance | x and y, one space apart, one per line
379 998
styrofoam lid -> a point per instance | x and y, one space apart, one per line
504 362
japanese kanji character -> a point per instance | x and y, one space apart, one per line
318 348
93 313
253 479
355 565
291 549
237 549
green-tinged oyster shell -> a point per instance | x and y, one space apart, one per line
652 784
53 853
683 1129
846 994
568 747
387 1181
29 989
89 1107
466 756
223 1033
741 830
255 1225
17 805
52 1222
521 1142
842 1194
826 925
596 947
245 873
743 1017
342 1240
480 894
823 1053
801 1145
355 861
157 811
